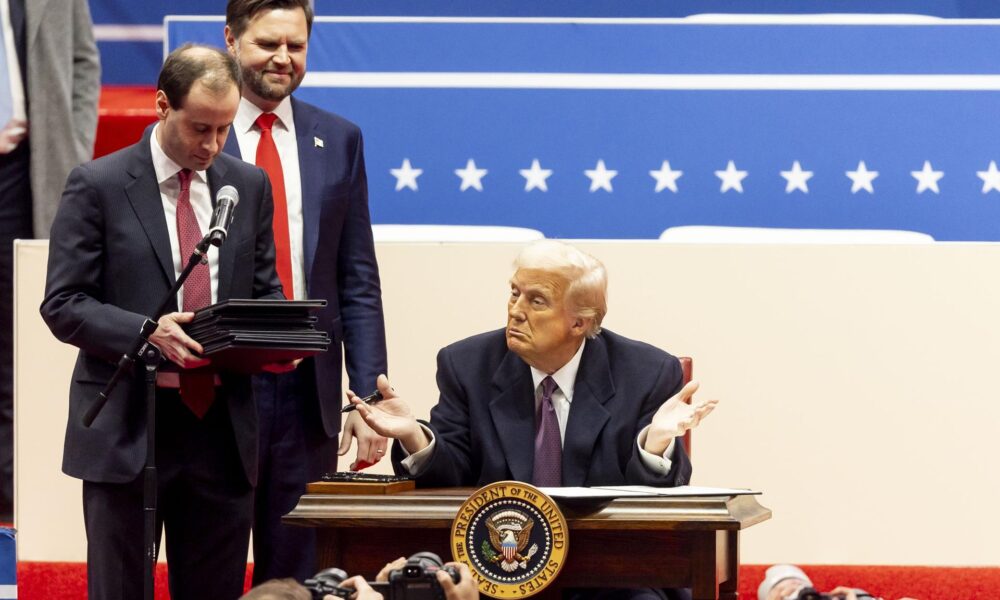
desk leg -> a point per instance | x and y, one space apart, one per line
728 589
715 565
328 549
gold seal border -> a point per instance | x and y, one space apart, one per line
483 498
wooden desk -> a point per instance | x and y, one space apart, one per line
630 542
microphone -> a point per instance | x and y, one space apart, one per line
226 200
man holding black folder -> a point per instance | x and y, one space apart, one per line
125 228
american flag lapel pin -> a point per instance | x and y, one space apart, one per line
318 143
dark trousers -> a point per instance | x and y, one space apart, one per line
204 504
294 450
15 222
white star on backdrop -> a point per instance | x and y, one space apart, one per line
990 177
406 176
862 178
600 177
666 177
535 177
732 179
927 178
796 179
471 176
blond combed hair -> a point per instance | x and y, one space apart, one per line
587 291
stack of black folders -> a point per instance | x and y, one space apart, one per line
244 335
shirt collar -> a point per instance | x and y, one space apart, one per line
164 166
565 377
247 113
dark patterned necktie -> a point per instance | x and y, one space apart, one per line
197 385
197 287
548 444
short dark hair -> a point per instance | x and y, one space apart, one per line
195 62
239 13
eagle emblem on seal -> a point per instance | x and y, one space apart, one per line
510 532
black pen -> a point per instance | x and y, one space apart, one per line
370 399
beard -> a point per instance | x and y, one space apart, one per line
254 80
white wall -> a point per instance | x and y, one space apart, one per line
858 383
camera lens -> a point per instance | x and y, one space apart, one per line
426 558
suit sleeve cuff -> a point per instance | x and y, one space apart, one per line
659 465
414 463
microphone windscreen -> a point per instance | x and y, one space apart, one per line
229 192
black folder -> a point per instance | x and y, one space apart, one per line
245 335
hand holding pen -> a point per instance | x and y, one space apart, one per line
390 416
370 399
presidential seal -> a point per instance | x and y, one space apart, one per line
513 537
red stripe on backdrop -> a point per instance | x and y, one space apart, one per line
124 112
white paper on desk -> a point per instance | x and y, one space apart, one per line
680 491
594 492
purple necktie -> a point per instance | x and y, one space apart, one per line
197 385
548 444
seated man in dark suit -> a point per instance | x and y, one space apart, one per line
551 399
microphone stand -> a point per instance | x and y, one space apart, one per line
151 357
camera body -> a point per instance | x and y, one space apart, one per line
811 594
327 583
808 593
417 580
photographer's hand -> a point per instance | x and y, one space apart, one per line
383 575
465 589
364 591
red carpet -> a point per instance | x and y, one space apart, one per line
67 581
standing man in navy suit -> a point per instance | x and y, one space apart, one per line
125 228
323 236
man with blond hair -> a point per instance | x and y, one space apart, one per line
551 399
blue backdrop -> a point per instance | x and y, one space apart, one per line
904 99
136 61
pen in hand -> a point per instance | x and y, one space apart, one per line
370 399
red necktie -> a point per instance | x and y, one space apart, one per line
197 385
548 442
269 160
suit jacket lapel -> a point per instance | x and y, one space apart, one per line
227 252
232 147
143 193
312 158
512 406
587 414
34 11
